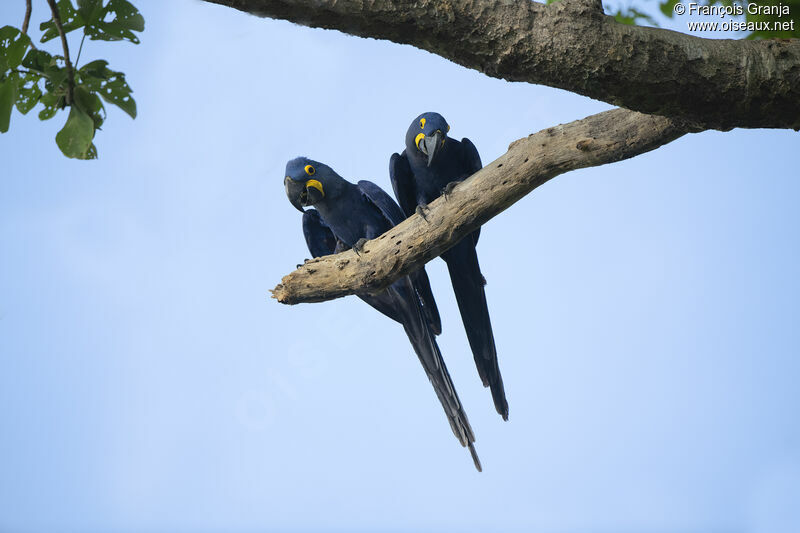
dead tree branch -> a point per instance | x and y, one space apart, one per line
603 138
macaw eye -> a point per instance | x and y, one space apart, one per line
422 123
310 170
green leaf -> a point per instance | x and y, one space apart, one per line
90 104
667 8
8 95
632 16
47 65
70 20
75 138
623 18
13 44
29 93
126 20
55 76
91 10
109 84
640 16
52 103
39 60
94 68
47 113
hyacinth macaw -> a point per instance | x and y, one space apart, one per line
344 216
431 164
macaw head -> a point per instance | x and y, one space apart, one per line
427 135
310 182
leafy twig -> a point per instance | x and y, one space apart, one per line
27 20
68 63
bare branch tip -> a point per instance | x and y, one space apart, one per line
279 293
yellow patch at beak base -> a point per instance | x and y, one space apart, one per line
418 139
317 185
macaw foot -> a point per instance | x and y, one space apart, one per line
448 190
359 246
421 210
303 263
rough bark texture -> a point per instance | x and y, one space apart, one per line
603 138
572 45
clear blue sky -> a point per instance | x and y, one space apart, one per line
646 312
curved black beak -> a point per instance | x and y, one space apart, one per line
296 192
431 144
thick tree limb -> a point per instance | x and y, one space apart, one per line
604 138
572 45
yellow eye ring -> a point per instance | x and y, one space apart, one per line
422 123
448 127
310 170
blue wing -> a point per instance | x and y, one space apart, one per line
468 282
319 237
471 161
403 183
382 201
422 284
470 157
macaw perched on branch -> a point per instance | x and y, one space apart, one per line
431 164
346 215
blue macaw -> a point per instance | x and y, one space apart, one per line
346 215
431 164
